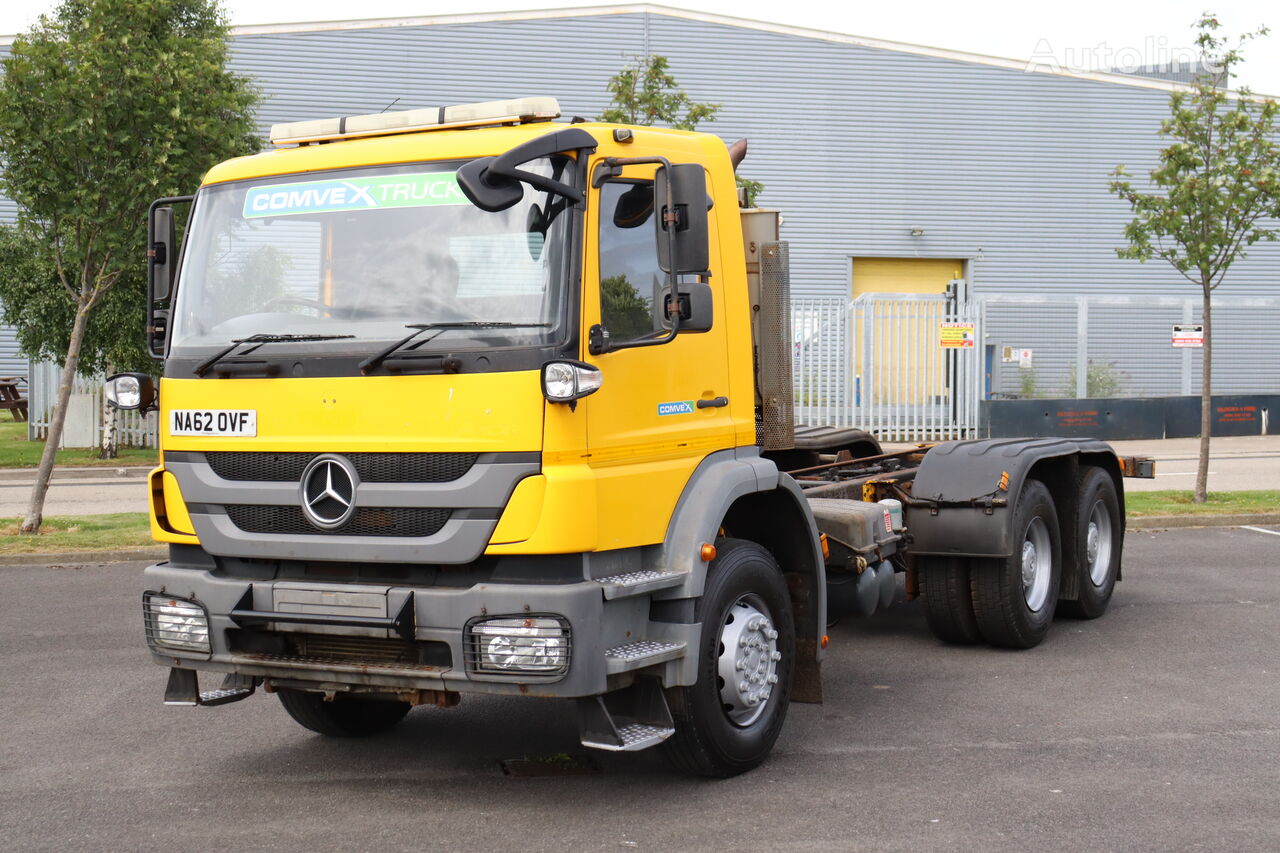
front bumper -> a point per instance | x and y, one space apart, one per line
605 634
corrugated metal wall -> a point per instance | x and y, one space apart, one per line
857 145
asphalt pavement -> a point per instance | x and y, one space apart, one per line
1154 728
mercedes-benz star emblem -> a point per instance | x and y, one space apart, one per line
328 491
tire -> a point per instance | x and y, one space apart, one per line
948 600
1014 598
344 716
717 731
1098 535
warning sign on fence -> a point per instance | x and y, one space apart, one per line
1188 335
957 335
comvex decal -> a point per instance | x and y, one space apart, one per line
422 189
678 407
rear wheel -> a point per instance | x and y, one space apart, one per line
1014 598
343 716
1098 534
728 721
948 600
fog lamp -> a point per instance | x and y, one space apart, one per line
130 391
176 624
515 644
567 381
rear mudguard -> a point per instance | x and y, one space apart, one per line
963 495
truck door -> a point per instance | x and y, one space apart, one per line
645 429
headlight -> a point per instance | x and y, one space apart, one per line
130 391
566 381
519 644
176 624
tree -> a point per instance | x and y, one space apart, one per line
646 93
1216 191
104 106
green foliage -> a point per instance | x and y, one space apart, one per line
1027 384
106 105
624 312
1101 379
33 301
753 188
646 93
1218 179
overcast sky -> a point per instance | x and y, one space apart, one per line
1095 34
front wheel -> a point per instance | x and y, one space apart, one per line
342 716
1014 598
728 721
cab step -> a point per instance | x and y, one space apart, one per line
627 720
640 654
638 583
184 689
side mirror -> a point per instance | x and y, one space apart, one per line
686 219
494 183
694 302
162 236
162 269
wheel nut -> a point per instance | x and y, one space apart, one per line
775 656
771 634
773 679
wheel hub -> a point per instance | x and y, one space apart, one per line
1037 569
748 664
1099 543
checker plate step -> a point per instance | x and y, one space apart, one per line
635 736
637 583
641 654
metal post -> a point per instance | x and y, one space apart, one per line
1187 308
1082 347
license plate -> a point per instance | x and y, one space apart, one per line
241 422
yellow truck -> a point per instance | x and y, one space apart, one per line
470 400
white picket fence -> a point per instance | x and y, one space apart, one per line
132 429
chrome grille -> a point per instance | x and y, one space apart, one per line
365 521
372 467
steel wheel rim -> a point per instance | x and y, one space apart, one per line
748 660
1037 564
1099 539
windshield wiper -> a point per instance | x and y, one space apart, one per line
373 361
203 367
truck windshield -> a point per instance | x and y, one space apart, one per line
363 253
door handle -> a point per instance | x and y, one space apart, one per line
715 403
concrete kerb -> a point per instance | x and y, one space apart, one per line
1144 523
1160 522
78 557
104 472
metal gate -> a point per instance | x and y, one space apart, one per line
905 367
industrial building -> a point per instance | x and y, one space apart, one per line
899 168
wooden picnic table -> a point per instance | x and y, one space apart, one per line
11 398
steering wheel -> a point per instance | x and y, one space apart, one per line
287 299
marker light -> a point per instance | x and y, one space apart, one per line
566 381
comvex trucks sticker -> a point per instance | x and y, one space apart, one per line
376 192
678 407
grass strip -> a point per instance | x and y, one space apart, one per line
1178 502
109 532
16 451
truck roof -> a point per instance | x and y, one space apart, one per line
411 136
